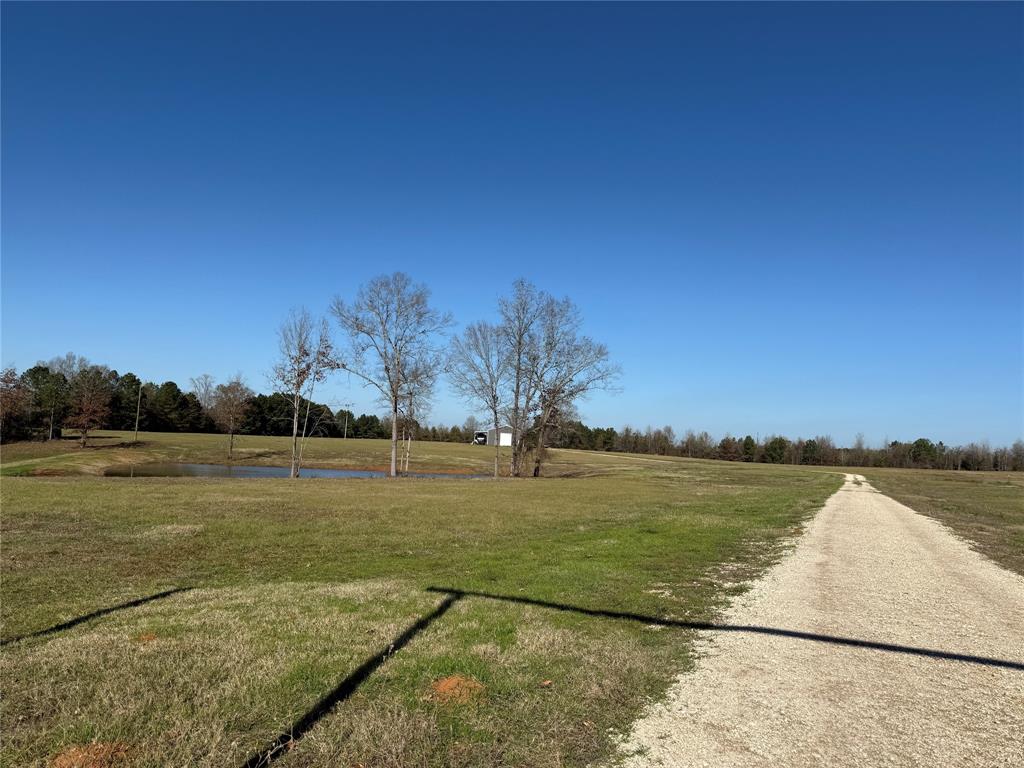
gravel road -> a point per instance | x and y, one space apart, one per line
867 569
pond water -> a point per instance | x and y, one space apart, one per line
226 470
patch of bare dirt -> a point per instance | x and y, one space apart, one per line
455 689
97 755
147 637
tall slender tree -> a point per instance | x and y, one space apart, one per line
478 369
306 356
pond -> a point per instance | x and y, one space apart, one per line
239 471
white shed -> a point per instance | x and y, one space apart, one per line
501 436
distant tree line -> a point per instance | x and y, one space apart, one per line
776 449
72 393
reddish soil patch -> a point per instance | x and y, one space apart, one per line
148 637
47 472
97 755
455 689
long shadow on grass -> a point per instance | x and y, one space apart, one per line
95 615
847 641
347 687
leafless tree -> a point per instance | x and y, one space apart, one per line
393 342
69 365
478 369
565 366
520 314
204 386
228 405
90 400
413 406
306 357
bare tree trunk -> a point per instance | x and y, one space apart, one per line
50 437
85 436
295 437
497 442
138 411
541 430
305 425
231 442
394 437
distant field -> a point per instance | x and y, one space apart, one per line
294 589
986 508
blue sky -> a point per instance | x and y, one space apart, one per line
804 219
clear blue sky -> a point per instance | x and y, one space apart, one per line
803 219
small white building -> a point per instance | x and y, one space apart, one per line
501 436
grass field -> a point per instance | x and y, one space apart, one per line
345 613
382 623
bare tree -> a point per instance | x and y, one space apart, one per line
90 400
228 405
306 357
412 407
519 317
70 365
204 387
478 369
565 367
416 403
392 342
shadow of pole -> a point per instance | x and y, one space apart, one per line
346 687
95 615
699 625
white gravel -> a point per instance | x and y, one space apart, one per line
867 568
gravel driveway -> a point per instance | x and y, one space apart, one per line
867 569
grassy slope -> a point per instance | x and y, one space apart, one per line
986 508
296 584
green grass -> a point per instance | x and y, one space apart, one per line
295 584
987 508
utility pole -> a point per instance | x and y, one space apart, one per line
346 406
138 409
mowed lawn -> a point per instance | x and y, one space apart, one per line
365 622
